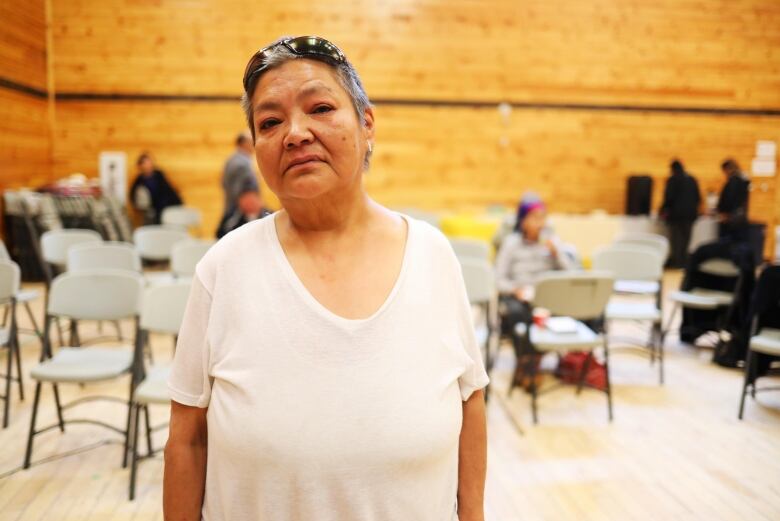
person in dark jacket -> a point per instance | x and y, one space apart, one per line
151 192
733 202
680 210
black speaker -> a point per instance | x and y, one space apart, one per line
639 191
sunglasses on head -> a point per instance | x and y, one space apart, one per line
314 46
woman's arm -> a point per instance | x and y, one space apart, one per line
472 463
184 478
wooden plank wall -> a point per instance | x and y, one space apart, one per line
25 147
601 56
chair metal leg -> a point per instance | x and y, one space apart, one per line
660 347
135 424
584 372
128 424
31 316
8 377
748 381
31 435
15 347
606 373
149 449
59 407
532 369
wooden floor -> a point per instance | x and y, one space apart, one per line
675 452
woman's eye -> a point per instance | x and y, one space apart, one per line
321 109
268 123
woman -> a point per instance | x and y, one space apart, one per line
151 192
524 255
326 367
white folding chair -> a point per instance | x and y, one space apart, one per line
703 298
184 217
479 279
162 312
627 261
9 288
108 255
471 249
88 295
23 296
649 240
155 242
186 255
579 296
56 243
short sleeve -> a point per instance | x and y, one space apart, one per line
474 377
189 382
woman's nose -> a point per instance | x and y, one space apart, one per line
298 133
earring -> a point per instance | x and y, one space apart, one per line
370 147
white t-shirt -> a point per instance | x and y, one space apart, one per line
314 417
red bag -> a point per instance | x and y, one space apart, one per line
570 369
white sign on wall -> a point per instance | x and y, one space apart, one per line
113 175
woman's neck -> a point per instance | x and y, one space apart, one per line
327 215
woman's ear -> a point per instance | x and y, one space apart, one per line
368 123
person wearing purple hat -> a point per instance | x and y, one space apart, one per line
530 250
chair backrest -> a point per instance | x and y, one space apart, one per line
111 255
9 279
719 268
181 216
4 255
650 240
479 278
56 243
627 261
186 255
471 249
421 215
98 294
582 296
155 242
163 307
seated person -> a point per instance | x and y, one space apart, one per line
530 250
151 192
248 208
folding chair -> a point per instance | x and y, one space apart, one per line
162 311
765 331
649 240
56 243
186 255
88 295
707 299
184 217
104 255
9 288
627 261
580 296
471 249
480 283
155 242
23 297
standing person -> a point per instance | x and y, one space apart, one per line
680 210
326 367
242 191
733 202
151 193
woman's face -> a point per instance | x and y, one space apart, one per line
533 223
308 140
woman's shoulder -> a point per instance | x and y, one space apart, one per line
235 244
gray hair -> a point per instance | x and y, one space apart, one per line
345 72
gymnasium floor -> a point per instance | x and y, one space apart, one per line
675 452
